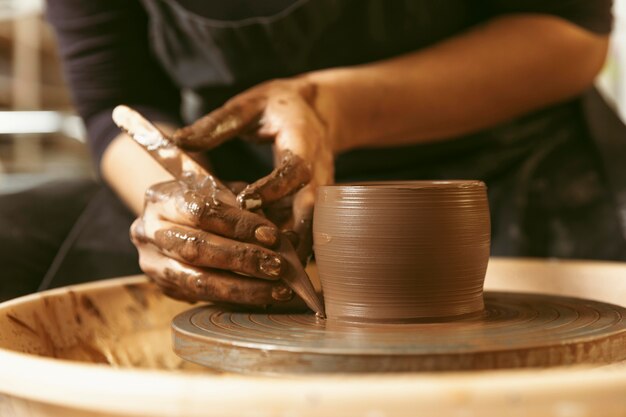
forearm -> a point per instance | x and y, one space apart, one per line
130 171
503 69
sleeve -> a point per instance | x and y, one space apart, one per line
108 61
593 15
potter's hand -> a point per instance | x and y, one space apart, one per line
196 250
283 112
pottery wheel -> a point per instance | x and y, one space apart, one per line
515 330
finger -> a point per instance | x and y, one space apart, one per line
303 222
228 121
292 174
199 248
195 284
190 208
207 250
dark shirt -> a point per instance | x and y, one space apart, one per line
144 53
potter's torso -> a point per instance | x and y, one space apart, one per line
216 49
209 45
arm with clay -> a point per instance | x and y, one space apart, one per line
504 68
193 249
107 61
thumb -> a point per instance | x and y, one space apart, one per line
220 125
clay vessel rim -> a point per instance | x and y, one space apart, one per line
405 185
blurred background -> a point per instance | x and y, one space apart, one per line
42 140
40 137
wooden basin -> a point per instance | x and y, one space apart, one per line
103 349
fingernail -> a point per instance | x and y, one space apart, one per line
266 235
270 265
282 293
249 201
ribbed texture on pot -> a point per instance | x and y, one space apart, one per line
402 251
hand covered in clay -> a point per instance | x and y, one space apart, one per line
282 112
198 250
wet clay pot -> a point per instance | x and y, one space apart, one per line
402 251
